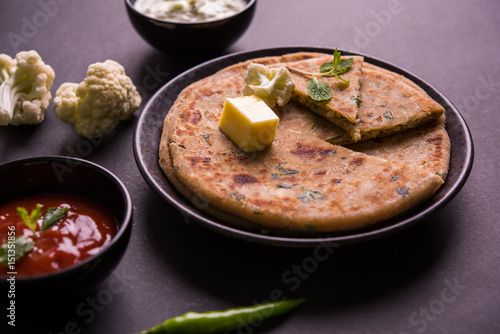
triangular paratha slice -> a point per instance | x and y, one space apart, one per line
389 103
342 108
426 146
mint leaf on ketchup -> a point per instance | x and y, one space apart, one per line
52 217
13 250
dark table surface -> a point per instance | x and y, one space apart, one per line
441 276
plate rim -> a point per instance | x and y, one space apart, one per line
403 221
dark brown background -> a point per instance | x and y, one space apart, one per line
441 276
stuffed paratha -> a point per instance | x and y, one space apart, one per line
301 184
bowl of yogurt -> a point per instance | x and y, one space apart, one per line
191 26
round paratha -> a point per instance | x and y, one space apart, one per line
302 183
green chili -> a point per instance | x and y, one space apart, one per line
223 321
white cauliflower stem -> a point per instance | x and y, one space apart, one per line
96 105
25 83
273 85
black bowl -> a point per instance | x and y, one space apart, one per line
183 38
70 174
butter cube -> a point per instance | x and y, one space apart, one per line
249 122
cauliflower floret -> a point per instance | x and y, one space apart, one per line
5 63
25 88
97 104
273 85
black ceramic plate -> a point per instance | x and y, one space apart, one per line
149 128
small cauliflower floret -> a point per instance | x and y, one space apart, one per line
249 123
5 63
25 84
97 104
273 85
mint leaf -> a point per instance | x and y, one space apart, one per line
20 247
344 65
336 58
319 91
23 213
329 67
326 67
341 68
335 67
52 217
30 220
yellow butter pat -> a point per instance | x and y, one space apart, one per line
249 122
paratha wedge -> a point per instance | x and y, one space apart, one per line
426 146
342 108
389 103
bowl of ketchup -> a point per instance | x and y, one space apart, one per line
64 224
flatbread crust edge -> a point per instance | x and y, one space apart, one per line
236 221
199 202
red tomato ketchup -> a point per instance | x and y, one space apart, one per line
81 233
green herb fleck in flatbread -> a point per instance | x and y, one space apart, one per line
206 137
286 186
357 99
387 114
237 196
286 171
310 195
403 191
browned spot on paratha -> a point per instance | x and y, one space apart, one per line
244 179
196 160
311 152
358 161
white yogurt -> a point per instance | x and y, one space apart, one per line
189 10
